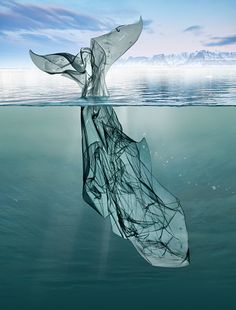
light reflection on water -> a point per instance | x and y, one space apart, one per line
139 86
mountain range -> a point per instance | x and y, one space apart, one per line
202 57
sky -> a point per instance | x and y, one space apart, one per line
170 26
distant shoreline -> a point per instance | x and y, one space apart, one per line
141 66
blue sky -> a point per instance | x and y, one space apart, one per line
66 26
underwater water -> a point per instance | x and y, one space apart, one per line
56 252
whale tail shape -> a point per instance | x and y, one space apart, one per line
117 173
89 67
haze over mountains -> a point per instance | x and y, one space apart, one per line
202 57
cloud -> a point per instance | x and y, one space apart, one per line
147 25
222 41
37 25
195 29
51 36
18 16
22 23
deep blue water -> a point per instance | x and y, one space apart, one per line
58 253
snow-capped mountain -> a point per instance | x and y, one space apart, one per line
202 57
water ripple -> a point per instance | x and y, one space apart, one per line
214 86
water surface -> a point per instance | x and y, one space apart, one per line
180 86
58 253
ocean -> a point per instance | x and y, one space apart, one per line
56 252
